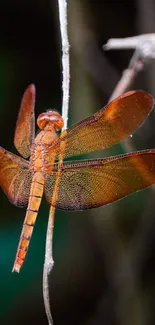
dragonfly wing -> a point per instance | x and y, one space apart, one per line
116 121
93 183
15 177
25 126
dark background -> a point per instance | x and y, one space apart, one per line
104 270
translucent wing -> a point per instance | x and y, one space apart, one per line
108 126
93 183
15 177
25 126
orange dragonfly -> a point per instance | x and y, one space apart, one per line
82 184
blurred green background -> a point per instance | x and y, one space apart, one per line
104 270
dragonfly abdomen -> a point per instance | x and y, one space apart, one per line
35 197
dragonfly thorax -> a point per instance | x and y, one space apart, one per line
49 120
39 160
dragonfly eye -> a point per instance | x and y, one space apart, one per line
50 118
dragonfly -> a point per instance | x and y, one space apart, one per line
82 184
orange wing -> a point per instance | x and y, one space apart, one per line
15 177
93 183
25 126
108 126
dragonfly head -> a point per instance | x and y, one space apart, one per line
50 119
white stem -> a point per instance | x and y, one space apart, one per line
65 60
48 264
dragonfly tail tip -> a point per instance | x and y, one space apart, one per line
16 268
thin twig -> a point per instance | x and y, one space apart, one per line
136 65
48 264
128 76
144 46
131 43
